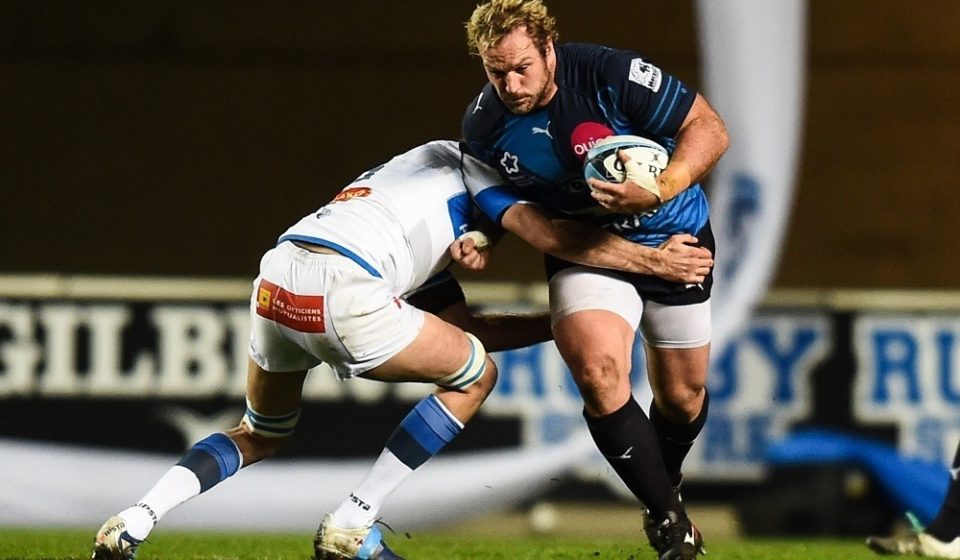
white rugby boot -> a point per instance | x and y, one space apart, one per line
363 543
113 542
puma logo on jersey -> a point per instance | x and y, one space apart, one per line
537 130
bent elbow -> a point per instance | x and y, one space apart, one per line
724 140
722 136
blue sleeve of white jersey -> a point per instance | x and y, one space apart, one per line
494 201
654 101
490 192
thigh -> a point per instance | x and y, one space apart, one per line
597 347
676 326
594 318
276 334
678 377
273 393
582 288
594 315
677 369
370 323
594 338
677 344
437 350
309 308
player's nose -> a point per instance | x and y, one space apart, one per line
513 84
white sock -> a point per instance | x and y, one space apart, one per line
363 505
178 485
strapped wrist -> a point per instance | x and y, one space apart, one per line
675 178
643 178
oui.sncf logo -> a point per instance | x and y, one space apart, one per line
585 135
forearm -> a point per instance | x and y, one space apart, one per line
701 142
499 332
578 242
589 245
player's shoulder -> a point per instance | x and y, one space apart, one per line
582 53
483 115
419 163
589 56
589 63
441 150
435 153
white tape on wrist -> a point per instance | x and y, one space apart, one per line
480 239
645 180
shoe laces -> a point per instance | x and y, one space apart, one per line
915 523
380 521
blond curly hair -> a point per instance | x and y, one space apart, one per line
495 19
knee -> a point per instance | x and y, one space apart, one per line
253 446
602 383
480 390
259 435
489 379
681 401
477 376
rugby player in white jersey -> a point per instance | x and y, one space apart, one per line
337 288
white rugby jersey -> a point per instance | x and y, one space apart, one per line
398 220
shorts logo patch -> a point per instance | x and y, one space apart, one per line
300 313
645 74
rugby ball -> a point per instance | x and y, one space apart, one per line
601 161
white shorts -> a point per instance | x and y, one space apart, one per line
581 288
309 308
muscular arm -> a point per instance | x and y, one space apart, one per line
701 141
444 298
499 332
589 245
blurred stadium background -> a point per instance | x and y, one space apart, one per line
152 151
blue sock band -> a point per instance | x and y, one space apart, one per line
424 432
212 459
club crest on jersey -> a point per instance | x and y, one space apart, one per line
510 163
352 192
645 74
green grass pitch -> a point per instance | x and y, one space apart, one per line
24 544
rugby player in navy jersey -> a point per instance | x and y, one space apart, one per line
546 104
361 285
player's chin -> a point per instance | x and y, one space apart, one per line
519 106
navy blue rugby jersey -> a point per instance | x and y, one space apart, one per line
601 91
